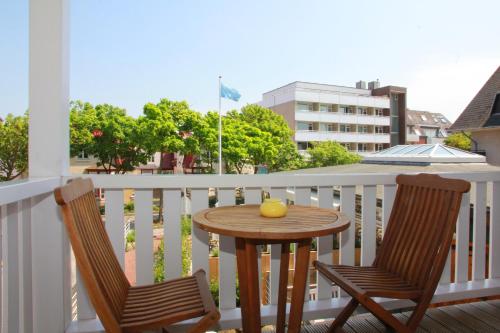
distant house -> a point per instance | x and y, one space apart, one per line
482 118
426 127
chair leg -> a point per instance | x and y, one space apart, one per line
344 315
385 316
417 315
205 322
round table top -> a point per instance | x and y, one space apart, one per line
245 221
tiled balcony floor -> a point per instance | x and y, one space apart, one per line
471 317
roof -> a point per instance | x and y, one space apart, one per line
426 118
477 113
424 154
397 168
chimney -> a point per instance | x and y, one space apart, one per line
373 85
361 85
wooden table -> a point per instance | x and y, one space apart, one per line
250 229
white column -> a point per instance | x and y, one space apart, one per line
49 157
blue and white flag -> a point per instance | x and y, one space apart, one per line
229 93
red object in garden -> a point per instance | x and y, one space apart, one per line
97 133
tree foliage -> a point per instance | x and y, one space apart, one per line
109 134
459 140
255 136
13 146
328 153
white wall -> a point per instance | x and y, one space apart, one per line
342 137
322 93
333 117
489 140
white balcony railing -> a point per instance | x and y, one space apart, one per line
23 251
342 136
340 118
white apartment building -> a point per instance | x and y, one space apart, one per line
355 117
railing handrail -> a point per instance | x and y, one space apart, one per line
17 190
271 180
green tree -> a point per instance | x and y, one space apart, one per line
459 140
275 148
234 144
13 146
328 153
207 134
109 134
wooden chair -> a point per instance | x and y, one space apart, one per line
120 306
412 255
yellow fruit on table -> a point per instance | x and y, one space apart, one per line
273 207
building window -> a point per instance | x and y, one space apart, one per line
347 146
325 108
362 111
151 159
304 107
379 112
83 155
496 106
330 128
345 128
347 109
362 147
379 147
363 129
304 126
379 129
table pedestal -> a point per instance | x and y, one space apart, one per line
248 274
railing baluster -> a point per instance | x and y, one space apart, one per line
227 258
172 238
462 241
3 302
479 233
494 264
144 236
199 253
276 192
115 226
347 237
11 267
324 248
253 196
369 225
387 203
25 268
445 276
85 308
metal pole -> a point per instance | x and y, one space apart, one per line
220 129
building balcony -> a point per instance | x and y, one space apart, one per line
354 137
33 240
41 288
340 118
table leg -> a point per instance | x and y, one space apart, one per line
282 291
299 285
248 275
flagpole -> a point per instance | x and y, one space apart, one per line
220 129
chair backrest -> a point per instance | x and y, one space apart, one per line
420 229
103 277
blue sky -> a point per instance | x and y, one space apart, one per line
131 52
